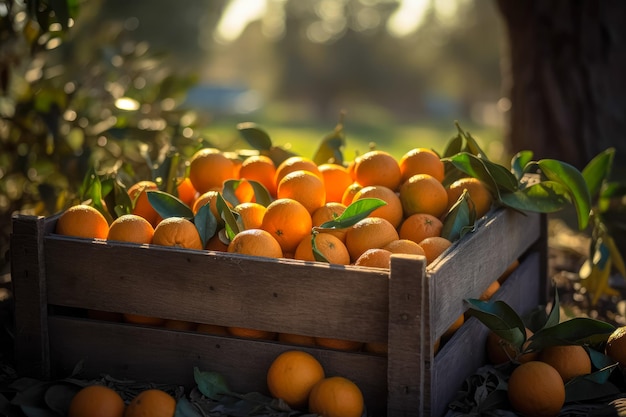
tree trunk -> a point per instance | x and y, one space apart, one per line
567 78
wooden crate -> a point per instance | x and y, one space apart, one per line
408 307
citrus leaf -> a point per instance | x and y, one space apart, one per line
542 197
331 146
555 312
228 191
454 146
460 219
59 395
167 205
255 136
598 359
499 317
205 223
210 384
474 167
598 170
261 195
568 176
519 162
470 143
184 408
576 331
356 211
594 386
232 228
319 256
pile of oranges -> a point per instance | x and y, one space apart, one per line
102 401
303 196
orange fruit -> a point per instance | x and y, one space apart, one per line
369 233
259 168
186 191
500 351
378 168
421 161
338 344
210 198
616 345
536 389
376 258
209 168
96 401
151 403
216 244
82 221
255 242
336 397
243 191
404 246
178 232
291 377
392 211
141 205
570 361
144 320
329 211
419 226
211 329
422 193
250 214
179 324
288 222
131 228
328 245
336 180
349 193
296 163
250 333
351 166
490 291
296 339
479 194
434 246
304 187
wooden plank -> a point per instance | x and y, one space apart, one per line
283 295
29 289
404 359
157 355
465 352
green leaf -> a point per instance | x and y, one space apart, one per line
356 211
261 195
460 219
255 136
331 146
319 256
210 384
232 228
555 312
229 189
184 408
205 223
595 386
598 359
474 167
576 331
542 197
598 170
454 146
568 176
499 317
167 205
519 162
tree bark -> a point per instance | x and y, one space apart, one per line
567 78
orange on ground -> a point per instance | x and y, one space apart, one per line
336 397
336 180
490 291
349 193
421 161
178 232
500 351
82 221
616 346
260 168
329 211
375 258
291 376
570 361
209 168
141 319
296 163
96 401
422 193
304 187
151 403
479 194
179 324
131 228
338 344
434 246
288 222
404 246
536 389
378 168
141 204
186 191
369 233
251 215
211 329
250 333
392 211
255 242
328 245
296 339
419 226
453 327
